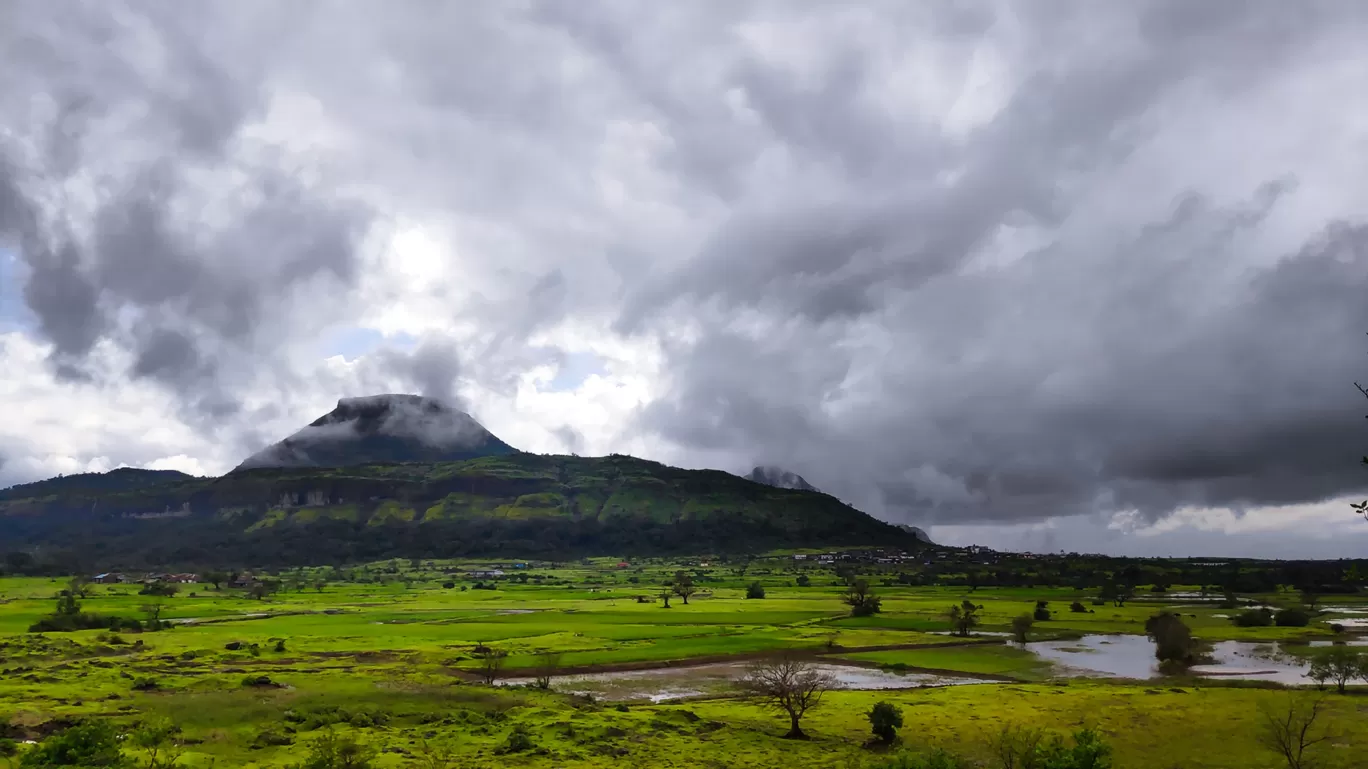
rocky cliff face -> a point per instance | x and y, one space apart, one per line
382 428
779 478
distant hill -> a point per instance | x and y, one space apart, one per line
122 479
779 478
920 534
515 504
382 428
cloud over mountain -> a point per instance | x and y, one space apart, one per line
955 262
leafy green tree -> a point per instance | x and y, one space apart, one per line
684 586
1021 628
755 590
1339 665
88 743
861 599
158 740
963 617
885 719
1172 638
803 580
331 751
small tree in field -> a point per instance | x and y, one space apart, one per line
755 590
684 586
158 740
1021 628
885 719
1339 665
788 684
491 663
665 593
861 599
548 662
963 617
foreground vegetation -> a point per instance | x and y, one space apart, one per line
388 664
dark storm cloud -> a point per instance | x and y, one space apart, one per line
904 249
1137 373
191 251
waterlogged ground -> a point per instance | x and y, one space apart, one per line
666 684
1127 656
390 657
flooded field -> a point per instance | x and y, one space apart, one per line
1132 656
662 684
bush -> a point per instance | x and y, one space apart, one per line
331 751
280 645
88 743
755 590
885 719
8 747
519 741
1077 607
146 684
1292 618
448 584
269 738
803 580
1041 614
1253 618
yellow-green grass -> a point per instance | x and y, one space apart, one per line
997 660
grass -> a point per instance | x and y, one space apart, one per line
389 640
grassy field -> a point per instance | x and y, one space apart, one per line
387 653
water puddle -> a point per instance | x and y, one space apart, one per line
662 684
1132 656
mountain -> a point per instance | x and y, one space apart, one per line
516 505
382 428
121 479
920 534
779 478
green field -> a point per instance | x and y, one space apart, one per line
395 650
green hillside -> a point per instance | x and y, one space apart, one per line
122 479
519 504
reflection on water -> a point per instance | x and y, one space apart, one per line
660 684
1132 656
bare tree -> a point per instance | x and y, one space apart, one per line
153 611
491 663
1291 732
788 684
548 662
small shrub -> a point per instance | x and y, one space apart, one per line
280 646
885 719
1077 607
146 684
1041 614
270 738
88 743
803 580
755 590
8 747
448 584
1253 618
519 741
1292 618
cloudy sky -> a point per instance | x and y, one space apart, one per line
1050 275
